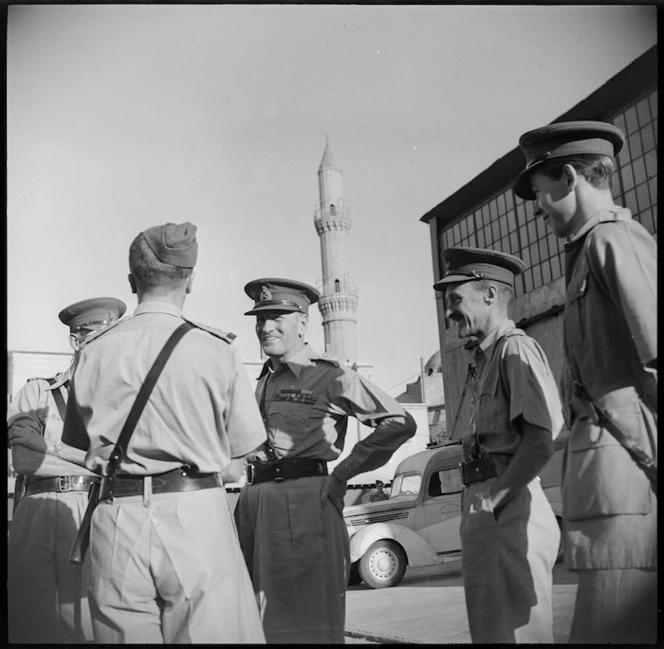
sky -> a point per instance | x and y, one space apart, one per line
121 117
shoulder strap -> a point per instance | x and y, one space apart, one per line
226 336
59 399
142 398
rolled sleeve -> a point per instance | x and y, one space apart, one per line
29 408
533 393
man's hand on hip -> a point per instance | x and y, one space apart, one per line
334 489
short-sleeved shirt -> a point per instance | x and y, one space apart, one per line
201 413
513 380
306 402
34 409
610 322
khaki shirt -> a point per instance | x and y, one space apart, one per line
513 380
34 409
610 328
306 403
201 413
610 323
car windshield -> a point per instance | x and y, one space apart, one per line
406 484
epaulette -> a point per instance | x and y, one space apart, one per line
37 378
226 336
95 334
326 358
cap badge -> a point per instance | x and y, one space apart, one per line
112 316
265 294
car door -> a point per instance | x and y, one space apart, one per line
442 510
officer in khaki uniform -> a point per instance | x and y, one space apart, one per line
166 563
289 515
610 328
47 596
509 534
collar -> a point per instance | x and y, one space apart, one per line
158 307
487 345
294 364
605 214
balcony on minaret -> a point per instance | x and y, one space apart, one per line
333 211
330 286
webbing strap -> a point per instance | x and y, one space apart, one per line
142 398
58 398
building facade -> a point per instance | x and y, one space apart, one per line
485 213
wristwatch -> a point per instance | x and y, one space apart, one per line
57 447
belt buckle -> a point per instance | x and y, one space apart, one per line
64 483
249 473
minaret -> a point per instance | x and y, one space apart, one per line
338 303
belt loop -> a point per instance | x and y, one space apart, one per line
147 490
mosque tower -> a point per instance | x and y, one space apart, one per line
339 299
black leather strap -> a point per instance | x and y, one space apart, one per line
142 398
285 469
179 480
59 399
61 484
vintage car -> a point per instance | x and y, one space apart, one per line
419 524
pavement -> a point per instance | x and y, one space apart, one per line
429 607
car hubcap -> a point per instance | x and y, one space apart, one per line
383 564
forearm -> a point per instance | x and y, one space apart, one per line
47 463
531 456
376 450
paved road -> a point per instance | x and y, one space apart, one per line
429 606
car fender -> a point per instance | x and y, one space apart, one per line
418 551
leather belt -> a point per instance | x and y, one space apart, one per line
178 480
61 484
285 469
488 465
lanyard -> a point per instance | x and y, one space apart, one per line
470 376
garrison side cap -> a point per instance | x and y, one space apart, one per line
92 313
278 294
562 140
173 243
465 264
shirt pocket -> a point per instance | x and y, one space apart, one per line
289 423
491 408
601 478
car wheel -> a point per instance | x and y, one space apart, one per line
354 579
562 546
383 564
